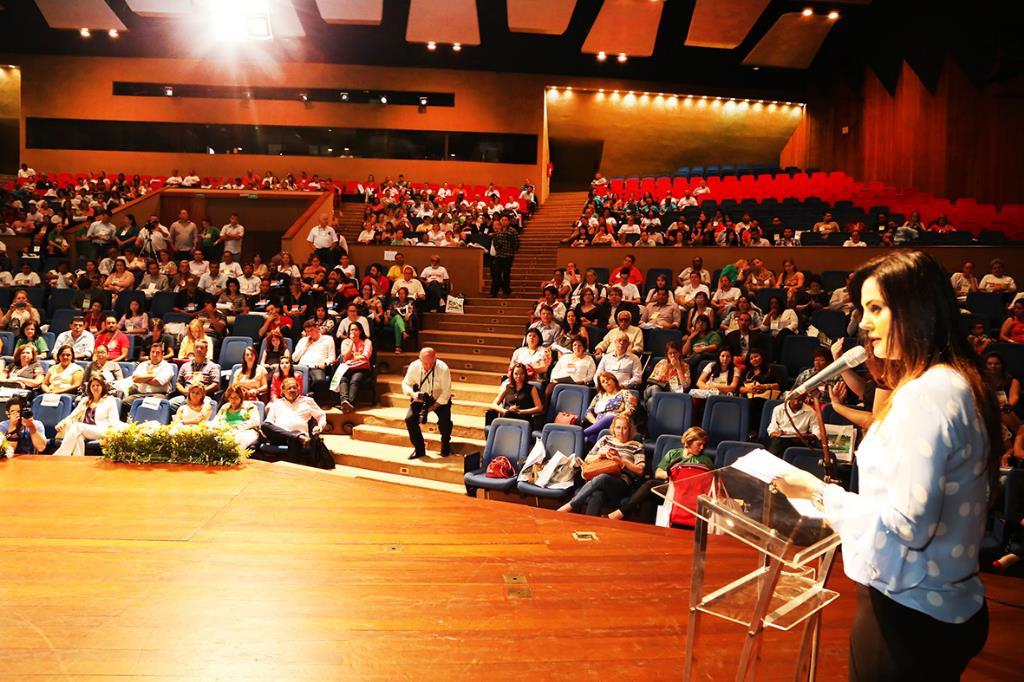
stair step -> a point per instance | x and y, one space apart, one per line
392 363
465 426
447 349
471 337
500 325
387 435
471 408
394 459
482 391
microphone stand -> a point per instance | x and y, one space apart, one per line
827 463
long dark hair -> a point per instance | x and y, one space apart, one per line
928 329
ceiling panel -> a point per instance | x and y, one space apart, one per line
792 42
540 16
160 8
358 12
723 23
76 14
451 21
628 26
284 20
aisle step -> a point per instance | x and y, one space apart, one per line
394 460
470 408
482 390
471 337
464 426
394 363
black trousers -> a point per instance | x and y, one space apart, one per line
444 425
643 499
350 384
892 642
328 257
297 452
501 275
435 292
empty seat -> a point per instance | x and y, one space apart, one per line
726 417
805 458
668 413
145 409
731 450
798 352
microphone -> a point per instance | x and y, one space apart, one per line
852 358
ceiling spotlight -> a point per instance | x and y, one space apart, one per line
757 68
601 90
84 32
247 94
622 58
344 96
304 97
431 45
833 15
423 101
383 99
456 47
113 33
568 88
602 55
808 12
169 91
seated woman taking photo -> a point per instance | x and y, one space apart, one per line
96 411
671 373
620 448
517 398
611 401
693 441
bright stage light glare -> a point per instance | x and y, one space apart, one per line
431 45
602 55
622 58
833 15
84 32
236 20
808 12
113 33
456 47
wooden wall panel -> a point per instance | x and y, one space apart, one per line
958 142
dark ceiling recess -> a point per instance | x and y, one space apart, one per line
983 39
339 95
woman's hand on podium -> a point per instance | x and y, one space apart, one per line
799 484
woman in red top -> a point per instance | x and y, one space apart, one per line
285 370
355 354
1012 330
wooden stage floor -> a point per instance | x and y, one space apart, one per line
276 572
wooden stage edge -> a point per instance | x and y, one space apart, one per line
276 572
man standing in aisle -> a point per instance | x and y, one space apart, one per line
428 383
184 236
324 240
505 243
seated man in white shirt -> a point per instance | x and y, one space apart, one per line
549 330
435 276
623 363
214 281
288 423
315 351
686 293
27 277
152 378
997 280
229 267
624 329
82 342
248 283
790 421
630 292
411 284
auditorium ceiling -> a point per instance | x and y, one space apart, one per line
764 45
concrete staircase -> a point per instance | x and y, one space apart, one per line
476 346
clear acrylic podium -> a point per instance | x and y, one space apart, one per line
792 559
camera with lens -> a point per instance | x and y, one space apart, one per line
421 403
26 413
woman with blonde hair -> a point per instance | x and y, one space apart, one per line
620 448
196 409
193 333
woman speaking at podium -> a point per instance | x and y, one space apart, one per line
911 535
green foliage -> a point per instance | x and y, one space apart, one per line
175 444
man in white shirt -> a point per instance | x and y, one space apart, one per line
686 293
696 264
190 180
788 420
153 238
198 266
324 240
183 235
428 383
231 236
352 317
173 180
623 363
248 283
82 342
214 281
630 292
624 329
287 424
26 173
997 280
152 378
437 281
315 351
229 267
408 282
702 189
346 268
27 277
101 232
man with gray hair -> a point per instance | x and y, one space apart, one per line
428 383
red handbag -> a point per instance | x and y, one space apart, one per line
500 467
689 481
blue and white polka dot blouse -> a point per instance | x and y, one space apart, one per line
914 529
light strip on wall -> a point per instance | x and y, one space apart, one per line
556 91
